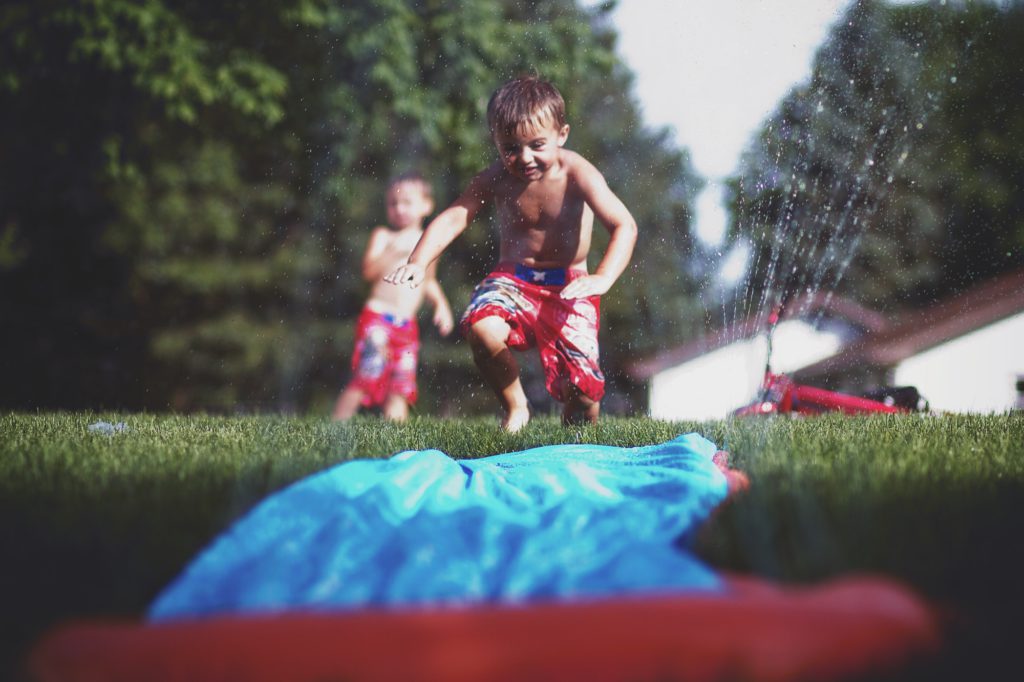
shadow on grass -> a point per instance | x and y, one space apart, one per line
956 544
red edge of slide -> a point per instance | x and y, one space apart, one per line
754 631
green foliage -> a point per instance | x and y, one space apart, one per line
190 184
150 43
131 130
12 249
885 176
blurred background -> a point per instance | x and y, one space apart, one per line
186 187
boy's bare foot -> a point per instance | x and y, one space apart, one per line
516 419
347 404
578 417
579 409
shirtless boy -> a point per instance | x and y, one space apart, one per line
387 337
541 292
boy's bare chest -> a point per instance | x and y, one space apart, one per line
398 247
404 242
540 209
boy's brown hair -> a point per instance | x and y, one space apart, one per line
523 103
414 177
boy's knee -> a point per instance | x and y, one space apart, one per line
489 334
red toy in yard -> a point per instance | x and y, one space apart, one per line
781 395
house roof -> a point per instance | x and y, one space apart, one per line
757 323
978 307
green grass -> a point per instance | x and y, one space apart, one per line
94 525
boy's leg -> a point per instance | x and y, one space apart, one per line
401 372
488 338
348 403
396 408
578 407
567 341
368 360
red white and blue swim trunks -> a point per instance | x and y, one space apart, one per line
563 330
384 362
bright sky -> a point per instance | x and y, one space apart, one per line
714 69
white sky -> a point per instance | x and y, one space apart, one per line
714 69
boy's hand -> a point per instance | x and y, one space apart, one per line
590 285
410 274
443 319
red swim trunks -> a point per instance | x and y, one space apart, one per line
385 356
564 331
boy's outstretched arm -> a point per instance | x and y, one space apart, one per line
443 230
610 210
432 291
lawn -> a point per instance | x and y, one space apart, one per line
94 525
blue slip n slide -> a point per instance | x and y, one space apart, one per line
420 528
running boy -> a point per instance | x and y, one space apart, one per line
540 293
387 337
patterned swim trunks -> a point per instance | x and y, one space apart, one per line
564 331
384 362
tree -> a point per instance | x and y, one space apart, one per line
92 97
861 182
196 182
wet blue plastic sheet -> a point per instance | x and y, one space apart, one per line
560 521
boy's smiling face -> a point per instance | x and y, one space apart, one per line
407 204
530 152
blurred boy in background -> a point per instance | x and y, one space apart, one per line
387 336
